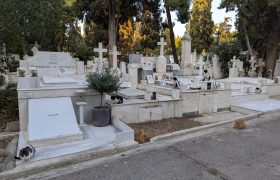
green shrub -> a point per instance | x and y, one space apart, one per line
9 99
2 80
226 51
104 81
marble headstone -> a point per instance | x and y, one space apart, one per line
53 63
135 58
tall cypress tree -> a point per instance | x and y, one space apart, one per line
150 24
201 25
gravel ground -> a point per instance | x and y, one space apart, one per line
5 118
145 131
3 146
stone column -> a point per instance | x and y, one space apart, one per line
186 61
133 74
217 72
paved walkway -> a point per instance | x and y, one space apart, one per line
251 154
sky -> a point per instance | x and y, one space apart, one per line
218 16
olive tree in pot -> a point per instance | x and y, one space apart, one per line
103 81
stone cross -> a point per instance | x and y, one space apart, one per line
234 61
115 54
100 50
162 44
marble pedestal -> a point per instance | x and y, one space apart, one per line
252 74
81 105
233 72
186 69
161 64
133 74
145 73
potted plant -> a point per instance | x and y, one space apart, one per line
103 81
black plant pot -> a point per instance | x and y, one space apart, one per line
101 116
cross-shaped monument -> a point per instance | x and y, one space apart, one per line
100 51
162 44
115 54
234 61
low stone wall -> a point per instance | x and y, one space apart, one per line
147 111
204 102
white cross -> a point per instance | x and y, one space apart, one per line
162 44
234 61
100 50
115 54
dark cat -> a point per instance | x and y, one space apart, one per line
26 153
117 99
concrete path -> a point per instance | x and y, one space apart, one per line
250 154
218 117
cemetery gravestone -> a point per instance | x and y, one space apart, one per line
115 54
233 71
161 60
186 61
135 58
148 64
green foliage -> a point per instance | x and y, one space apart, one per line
23 22
2 80
181 8
226 51
9 100
260 21
104 80
201 25
223 32
11 63
150 25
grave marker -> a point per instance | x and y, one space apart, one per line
162 43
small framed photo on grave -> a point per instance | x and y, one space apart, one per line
150 79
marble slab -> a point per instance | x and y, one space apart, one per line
52 120
132 93
58 80
266 105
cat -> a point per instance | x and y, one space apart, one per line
26 153
117 99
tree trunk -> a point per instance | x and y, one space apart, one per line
247 40
172 39
24 46
270 61
112 29
272 48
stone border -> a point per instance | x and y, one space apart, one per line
5 135
200 128
48 164
39 166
